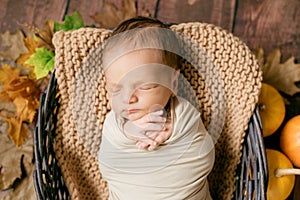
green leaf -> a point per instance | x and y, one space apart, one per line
72 22
43 62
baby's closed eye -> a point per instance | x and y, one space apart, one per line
148 86
113 89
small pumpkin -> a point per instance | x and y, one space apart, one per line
281 175
271 109
290 140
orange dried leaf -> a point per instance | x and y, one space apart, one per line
4 97
16 131
8 73
25 110
22 86
8 109
111 16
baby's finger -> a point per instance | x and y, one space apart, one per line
155 136
162 137
154 117
152 135
152 147
152 127
141 145
147 140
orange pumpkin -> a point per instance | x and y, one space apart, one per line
290 140
271 109
279 188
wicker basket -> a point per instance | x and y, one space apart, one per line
251 173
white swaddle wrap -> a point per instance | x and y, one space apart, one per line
177 169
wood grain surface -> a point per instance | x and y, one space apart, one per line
270 24
14 13
265 23
218 12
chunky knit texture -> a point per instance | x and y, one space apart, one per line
236 76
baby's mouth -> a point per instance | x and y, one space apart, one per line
132 111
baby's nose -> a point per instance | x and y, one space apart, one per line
128 96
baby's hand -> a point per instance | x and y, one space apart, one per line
149 131
159 137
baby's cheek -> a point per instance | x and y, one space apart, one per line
109 100
115 105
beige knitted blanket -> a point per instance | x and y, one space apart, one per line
234 64
177 170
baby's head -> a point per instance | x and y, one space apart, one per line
141 67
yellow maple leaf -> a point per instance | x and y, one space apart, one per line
282 76
8 73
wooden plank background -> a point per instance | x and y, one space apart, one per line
266 23
262 23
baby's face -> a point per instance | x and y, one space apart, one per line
139 83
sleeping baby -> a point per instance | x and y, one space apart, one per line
154 144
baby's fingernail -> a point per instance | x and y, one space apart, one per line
151 148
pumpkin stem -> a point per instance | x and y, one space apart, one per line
286 171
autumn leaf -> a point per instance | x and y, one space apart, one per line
111 16
43 62
282 76
31 44
259 53
7 108
10 168
45 36
26 104
71 22
25 109
17 131
25 189
4 97
13 45
8 73
23 93
12 160
21 86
